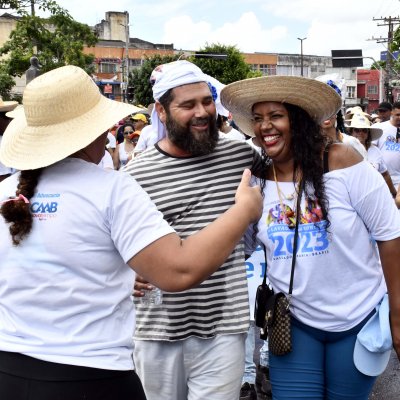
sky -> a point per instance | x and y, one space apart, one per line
269 26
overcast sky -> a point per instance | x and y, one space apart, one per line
251 25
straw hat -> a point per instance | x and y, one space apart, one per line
318 99
19 110
7 105
350 112
64 112
360 121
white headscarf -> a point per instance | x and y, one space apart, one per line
221 110
169 76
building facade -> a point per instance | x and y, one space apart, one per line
117 54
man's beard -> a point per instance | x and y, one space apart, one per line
196 145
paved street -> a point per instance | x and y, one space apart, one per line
387 386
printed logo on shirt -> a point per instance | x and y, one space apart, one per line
44 206
391 144
313 236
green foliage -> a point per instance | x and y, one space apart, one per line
231 69
21 6
139 79
6 83
57 40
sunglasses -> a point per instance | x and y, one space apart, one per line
128 132
360 130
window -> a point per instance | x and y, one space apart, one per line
285 70
372 89
107 68
135 62
268 69
351 92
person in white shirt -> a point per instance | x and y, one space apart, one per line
73 237
389 143
361 129
330 130
338 202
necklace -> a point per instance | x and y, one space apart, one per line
285 210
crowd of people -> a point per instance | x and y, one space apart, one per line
173 199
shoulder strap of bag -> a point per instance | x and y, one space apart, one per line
264 282
326 159
296 236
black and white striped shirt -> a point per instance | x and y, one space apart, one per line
192 192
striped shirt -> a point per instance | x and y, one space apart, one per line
192 192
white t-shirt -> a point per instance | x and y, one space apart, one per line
112 141
106 162
355 143
233 134
148 138
123 155
338 278
66 289
254 146
376 159
390 149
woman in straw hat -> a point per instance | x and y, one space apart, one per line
338 280
69 229
361 129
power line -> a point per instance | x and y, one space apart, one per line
390 22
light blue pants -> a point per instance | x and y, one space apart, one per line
191 369
319 367
249 366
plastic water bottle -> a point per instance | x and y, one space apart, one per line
264 355
152 297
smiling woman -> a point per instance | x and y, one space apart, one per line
332 197
72 237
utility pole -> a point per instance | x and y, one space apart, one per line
301 55
125 72
389 22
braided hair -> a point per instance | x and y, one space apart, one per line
17 212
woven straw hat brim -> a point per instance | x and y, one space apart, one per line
375 133
63 112
8 105
26 147
19 110
318 99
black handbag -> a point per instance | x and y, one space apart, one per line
264 292
277 322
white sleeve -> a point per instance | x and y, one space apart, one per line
373 202
134 219
112 141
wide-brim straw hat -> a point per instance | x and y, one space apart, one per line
19 110
64 112
360 121
318 99
7 105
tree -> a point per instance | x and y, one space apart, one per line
231 69
139 79
57 40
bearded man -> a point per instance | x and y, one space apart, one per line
193 344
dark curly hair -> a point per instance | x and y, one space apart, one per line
17 213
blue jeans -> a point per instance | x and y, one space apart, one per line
249 366
319 367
